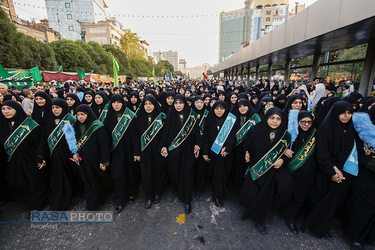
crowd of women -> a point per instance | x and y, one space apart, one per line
295 149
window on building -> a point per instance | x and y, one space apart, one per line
281 12
268 19
268 13
71 28
69 16
277 12
67 5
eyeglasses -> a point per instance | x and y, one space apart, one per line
306 122
199 102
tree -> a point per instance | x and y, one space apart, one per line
102 59
125 68
72 56
163 66
131 46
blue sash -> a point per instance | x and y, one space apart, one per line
223 133
351 164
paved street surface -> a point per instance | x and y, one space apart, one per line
161 227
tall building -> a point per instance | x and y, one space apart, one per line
8 8
235 29
170 56
267 15
68 17
182 66
104 32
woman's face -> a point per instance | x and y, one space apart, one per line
141 96
219 111
40 101
179 105
199 104
233 99
255 100
305 123
274 121
222 97
187 93
133 99
88 98
169 100
297 104
8 112
243 109
117 106
98 99
212 103
206 101
149 107
345 117
56 110
70 101
81 117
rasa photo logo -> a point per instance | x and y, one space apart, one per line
71 217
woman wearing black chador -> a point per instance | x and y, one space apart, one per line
268 182
181 143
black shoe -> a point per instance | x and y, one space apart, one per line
329 236
157 199
187 208
131 199
147 204
118 209
218 203
293 228
356 245
261 228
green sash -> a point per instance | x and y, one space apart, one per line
201 123
58 132
265 164
185 131
17 137
304 153
121 127
95 125
152 131
104 113
240 135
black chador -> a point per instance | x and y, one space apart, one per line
200 166
359 223
42 113
237 175
181 156
273 188
27 183
121 129
334 143
65 181
303 173
220 164
153 168
94 149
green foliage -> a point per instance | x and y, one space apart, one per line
130 45
163 66
121 58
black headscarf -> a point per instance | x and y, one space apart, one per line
90 118
163 101
18 118
111 119
41 114
278 102
99 108
326 107
371 113
142 117
77 102
84 100
250 111
131 106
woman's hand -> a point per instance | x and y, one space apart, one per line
223 153
289 153
137 158
103 167
74 158
278 163
338 177
164 152
41 165
247 157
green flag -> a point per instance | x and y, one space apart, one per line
115 71
171 75
92 71
58 84
60 69
81 74
37 77
188 75
153 74
4 73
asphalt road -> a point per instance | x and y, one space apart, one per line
163 226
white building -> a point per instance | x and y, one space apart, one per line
170 56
